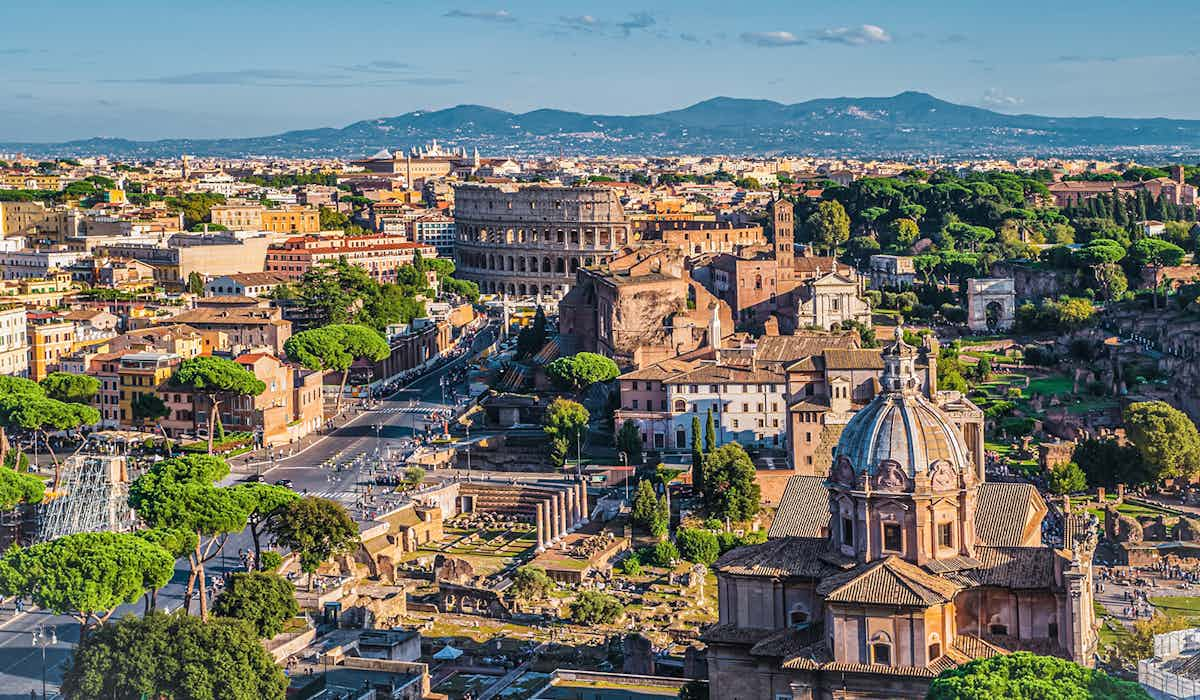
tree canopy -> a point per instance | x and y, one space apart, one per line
595 608
730 487
86 575
335 348
1026 676
581 370
70 388
263 599
565 423
175 656
1166 438
316 529
216 377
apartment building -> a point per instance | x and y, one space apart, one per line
380 256
49 338
14 345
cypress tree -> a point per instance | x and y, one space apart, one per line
710 434
697 456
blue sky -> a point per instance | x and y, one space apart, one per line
158 69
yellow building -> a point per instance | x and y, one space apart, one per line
49 340
142 373
31 181
40 292
291 219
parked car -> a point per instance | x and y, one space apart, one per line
284 482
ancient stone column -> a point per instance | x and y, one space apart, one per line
561 512
541 527
552 516
573 499
585 511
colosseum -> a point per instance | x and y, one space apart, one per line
532 239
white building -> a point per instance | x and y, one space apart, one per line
14 355
748 405
435 229
36 264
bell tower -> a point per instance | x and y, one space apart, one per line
785 236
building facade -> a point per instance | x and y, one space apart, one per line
900 565
14 343
532 240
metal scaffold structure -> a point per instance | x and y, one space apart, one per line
93 497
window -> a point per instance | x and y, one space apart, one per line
735 423
935 651
893 538
946 535
635 404
881 653
1052 628
847 531
998 629
798 616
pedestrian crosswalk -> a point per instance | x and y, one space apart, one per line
403 409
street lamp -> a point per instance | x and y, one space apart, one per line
44 638
378 440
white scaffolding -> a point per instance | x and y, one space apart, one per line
93 497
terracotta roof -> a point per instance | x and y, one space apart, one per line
789 348
724 374
659 371
889 581
732 634
228 316
853 359
1010 567
1003 511
803 509
783 557
785 643
256 278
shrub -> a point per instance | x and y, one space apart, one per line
698 546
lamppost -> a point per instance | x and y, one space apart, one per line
44 638
378 440
625 463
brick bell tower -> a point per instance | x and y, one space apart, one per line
785 237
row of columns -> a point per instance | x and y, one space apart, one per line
561 512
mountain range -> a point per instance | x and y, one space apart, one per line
910 124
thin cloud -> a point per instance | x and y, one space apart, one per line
583 22
485 15
855 36
955 39
639 20
772 39
690 38
349 76
995 97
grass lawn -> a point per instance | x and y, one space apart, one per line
1188 606
1053 384
1111 629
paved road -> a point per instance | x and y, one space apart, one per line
20 660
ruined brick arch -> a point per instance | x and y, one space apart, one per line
521 289
508 263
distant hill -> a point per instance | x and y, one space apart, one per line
908 124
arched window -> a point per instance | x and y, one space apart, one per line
680 406
881 649
935 647
758 281
798 615
997 626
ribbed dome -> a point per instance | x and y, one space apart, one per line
900 424
904 427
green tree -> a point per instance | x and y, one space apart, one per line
179 494
710 434
533 337
316 529
32 411
1138 642
531 584
86 575
644 511
1026 676
414 475
629 441
581 370
19 487
662 517
1156 254
195 283
195 206
1108 463
148 407
174 656
263 599
335 348
662 554
567 421
215 378
829 225
70 388
697 546
1111 281
904 232
263 503
1067 478
595 608
1166 438
697 454
730 488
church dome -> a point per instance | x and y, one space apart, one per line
900 428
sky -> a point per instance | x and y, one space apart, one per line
149 69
